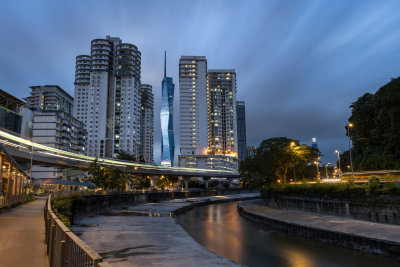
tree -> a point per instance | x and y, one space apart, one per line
123 155
376 131
275 157
106 177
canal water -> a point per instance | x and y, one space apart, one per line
220 228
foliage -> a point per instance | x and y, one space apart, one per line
65 207
125 156
331 191
140 182
165 181
275 157
107 177
376 131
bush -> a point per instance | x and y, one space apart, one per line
65 208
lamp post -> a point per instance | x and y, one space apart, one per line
351 160
338 156
317 165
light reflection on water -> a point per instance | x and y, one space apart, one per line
220 228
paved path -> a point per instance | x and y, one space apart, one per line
146 235
22 236
376 231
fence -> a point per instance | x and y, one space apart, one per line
64 248
11 200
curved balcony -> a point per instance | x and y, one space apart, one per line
100 41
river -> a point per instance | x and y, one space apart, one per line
220 228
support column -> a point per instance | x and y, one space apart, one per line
153 181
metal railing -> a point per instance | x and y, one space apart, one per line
64 248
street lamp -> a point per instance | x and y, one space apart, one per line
351 160
316 164
338 156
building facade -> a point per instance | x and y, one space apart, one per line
147 123
167 120
251 151
241 129
208 116
107 97
193 105
222 126
49 97
54 125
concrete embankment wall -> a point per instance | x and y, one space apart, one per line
374 212
348 237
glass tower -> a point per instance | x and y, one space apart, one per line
166 116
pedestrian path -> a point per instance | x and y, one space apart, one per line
380 232
22 236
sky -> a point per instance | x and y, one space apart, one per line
299 63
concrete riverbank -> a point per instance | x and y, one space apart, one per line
369 237
146 234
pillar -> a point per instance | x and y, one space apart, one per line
153 181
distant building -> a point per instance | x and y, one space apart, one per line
314 143
14 117
222 125
54 125
147 123
50 97
167 119
208 136
251 151
107 100
241 129
193 105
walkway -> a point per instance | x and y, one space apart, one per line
22 236
387 233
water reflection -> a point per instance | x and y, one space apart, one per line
220 229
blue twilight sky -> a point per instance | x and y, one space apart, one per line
299 63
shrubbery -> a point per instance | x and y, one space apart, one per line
346 191
65 207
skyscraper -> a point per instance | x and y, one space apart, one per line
167 119
107 97
208 116
241 129
193 105
222 129
147 123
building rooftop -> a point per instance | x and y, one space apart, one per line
9 101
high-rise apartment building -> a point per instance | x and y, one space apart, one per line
107 97
167 119
147 123
241 129
222 128
193 105
208 115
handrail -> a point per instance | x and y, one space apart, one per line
64 248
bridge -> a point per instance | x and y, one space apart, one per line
26 151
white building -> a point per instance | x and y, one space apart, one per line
147 123
208 136
54 125
107 97
193 105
